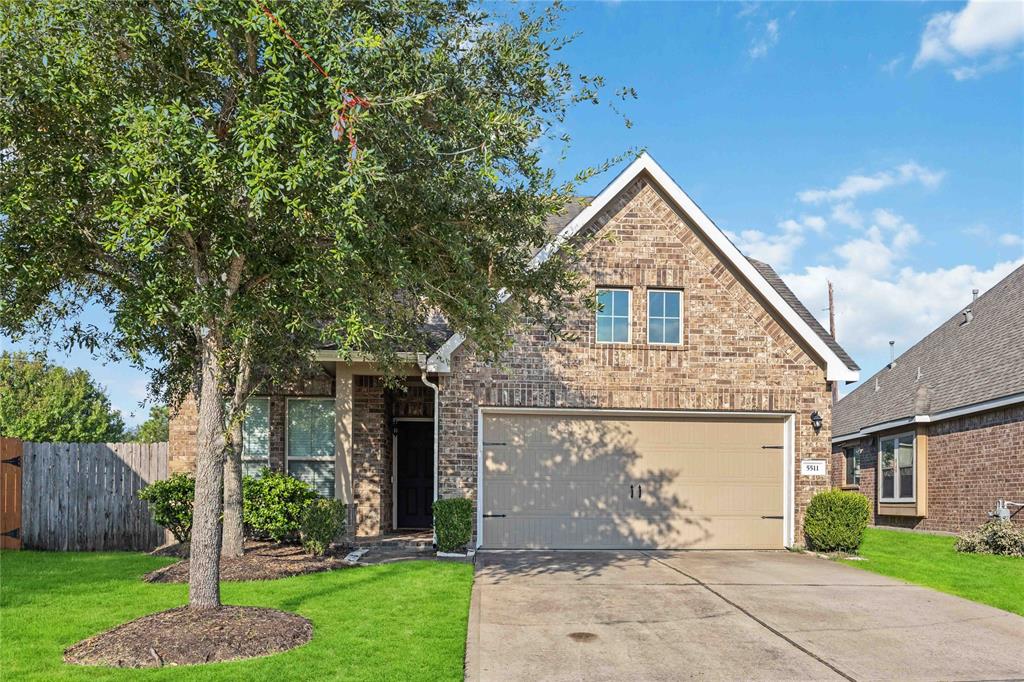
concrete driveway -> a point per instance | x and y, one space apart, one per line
723 615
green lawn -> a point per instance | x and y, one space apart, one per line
930 560
401 621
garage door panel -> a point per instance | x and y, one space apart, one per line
568 481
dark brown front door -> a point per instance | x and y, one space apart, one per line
415 474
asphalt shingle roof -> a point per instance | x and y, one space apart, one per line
960 365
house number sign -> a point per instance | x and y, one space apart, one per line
812 467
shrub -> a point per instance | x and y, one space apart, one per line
272 504
453 523
322 522
994 537
835 521
170 502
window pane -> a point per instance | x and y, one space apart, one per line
256 429
672 304
656 304
621 304
671 331
887 454
604 301
620 332
656 333
252 468
311 428
905 461
318 474
887 483
851 468
604 329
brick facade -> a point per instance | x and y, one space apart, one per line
972 462
374 405
734 355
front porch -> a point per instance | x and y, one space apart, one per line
350 435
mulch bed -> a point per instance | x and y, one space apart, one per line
185 636
261 561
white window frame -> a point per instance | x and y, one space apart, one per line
629 316
662 318
245 458
896 499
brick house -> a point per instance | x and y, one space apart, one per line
947 417
691 410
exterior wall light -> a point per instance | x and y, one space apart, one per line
816 421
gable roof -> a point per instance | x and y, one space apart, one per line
837 368
963 368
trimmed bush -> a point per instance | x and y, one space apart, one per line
323 521
170 502
272 504
994 537
453 523
835 521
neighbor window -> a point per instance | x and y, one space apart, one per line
896 468
613 315
310 442
256 436
663 316
852 456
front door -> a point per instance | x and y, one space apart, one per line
414 484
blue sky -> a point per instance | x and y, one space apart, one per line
879 145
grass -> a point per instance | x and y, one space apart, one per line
930 560
400 621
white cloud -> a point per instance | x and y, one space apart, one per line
846 214
778 249
982 27
854 186
765 42
1010 239
875 305
890 66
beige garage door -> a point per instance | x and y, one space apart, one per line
559 481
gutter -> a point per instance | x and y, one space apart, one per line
437 416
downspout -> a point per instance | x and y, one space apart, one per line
437 416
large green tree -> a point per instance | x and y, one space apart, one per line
238 182
42 402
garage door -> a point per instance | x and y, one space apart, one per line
563 481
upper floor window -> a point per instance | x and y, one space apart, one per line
896 466
852 457
663 316
613 315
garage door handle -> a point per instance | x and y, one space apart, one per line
501 516
773 447
771 517
631 491
639 491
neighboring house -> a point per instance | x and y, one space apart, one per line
692 410
945 419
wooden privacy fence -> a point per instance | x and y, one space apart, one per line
84 496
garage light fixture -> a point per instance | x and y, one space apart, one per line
816 421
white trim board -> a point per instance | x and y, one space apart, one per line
835 368
788 457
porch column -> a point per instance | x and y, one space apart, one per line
343 437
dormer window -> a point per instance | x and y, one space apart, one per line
613 315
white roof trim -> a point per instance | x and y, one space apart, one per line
951 413
836 369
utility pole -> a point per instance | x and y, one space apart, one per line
832 331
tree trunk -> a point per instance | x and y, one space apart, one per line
204 557
234 533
